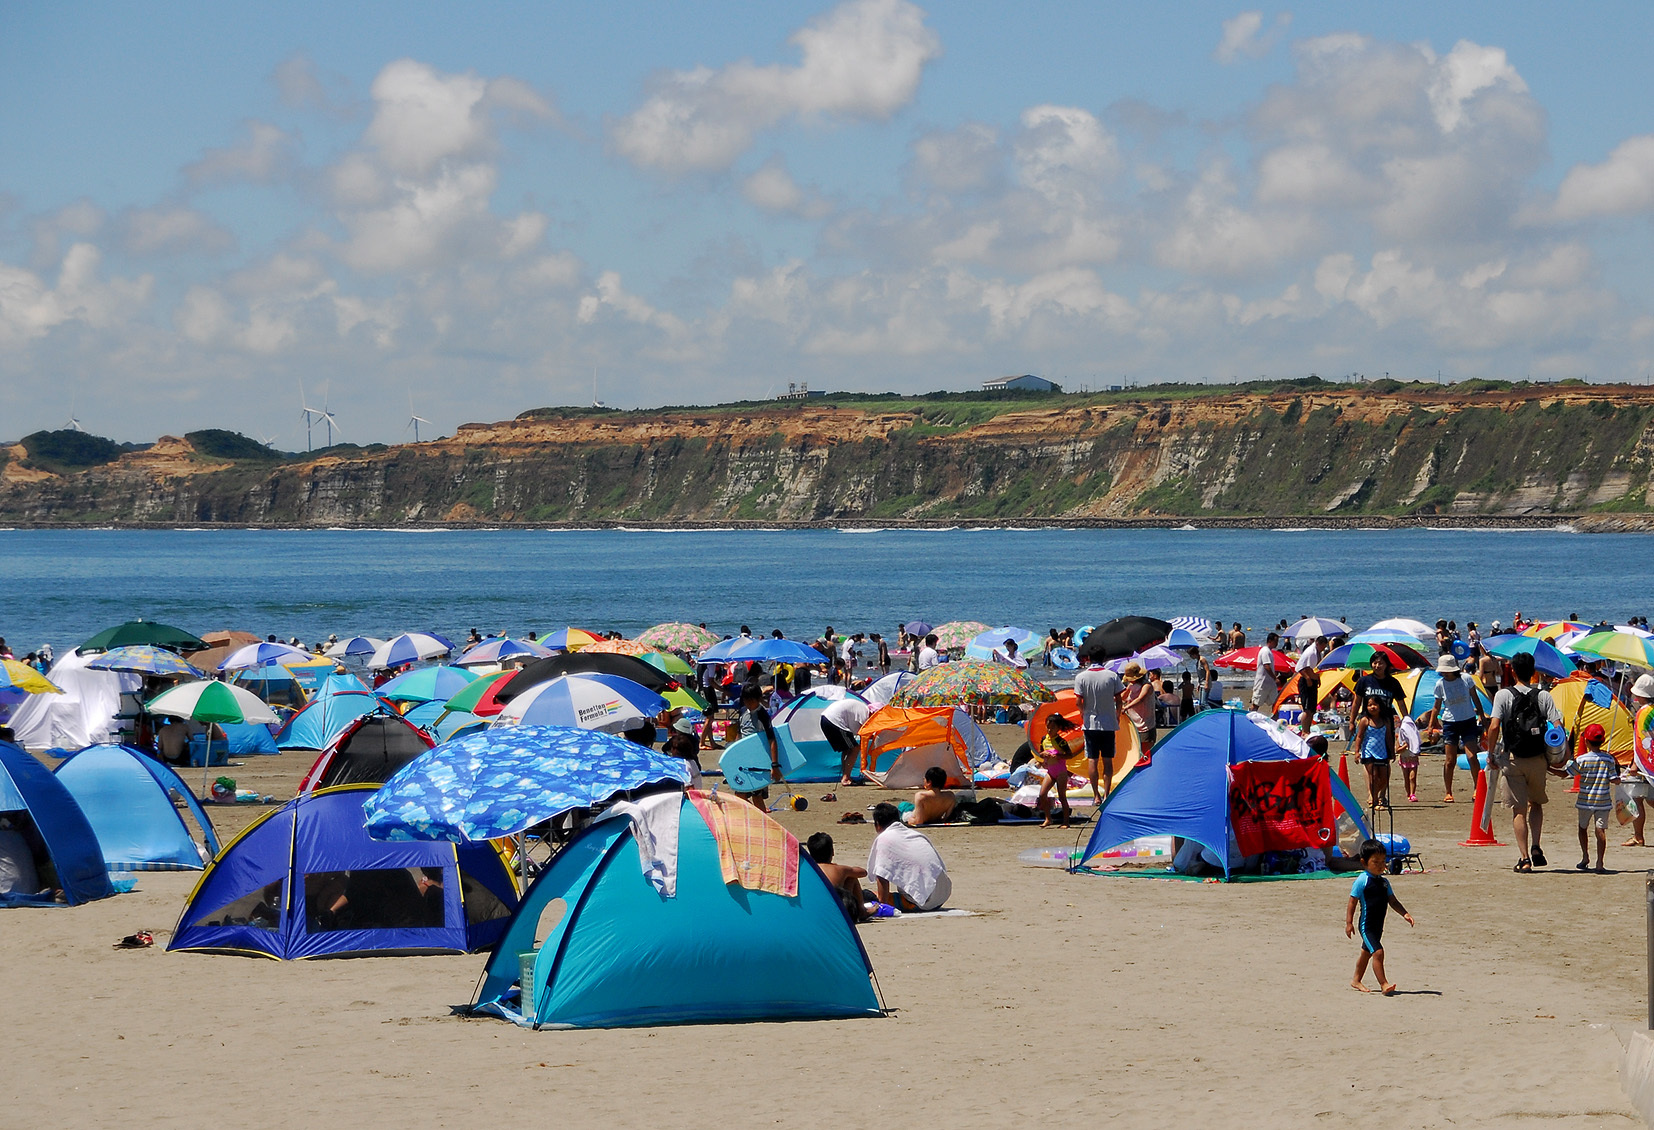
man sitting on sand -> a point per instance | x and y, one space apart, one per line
906 868
935 802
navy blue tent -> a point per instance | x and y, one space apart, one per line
63 837
305 880
129 799
1184 791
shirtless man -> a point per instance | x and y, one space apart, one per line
934 802
845 881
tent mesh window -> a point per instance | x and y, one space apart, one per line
389 898
481 904
259 908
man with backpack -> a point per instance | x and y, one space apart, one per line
1521 715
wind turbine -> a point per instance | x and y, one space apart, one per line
74 423
267 441
327 417
310 415
413 420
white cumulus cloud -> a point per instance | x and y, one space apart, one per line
1622 185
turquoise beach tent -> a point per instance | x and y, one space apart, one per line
614 952
128 798
1184 791
805 754
325 718
61 829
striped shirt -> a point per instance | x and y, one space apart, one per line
1596 771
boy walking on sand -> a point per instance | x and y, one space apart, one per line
1596 772
1371 898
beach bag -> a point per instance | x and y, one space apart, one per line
1524 730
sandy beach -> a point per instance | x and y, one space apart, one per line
1068 999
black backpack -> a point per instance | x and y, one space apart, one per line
1524 730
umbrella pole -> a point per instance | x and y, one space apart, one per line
206 764
522 859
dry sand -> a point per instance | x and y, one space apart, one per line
1071 1000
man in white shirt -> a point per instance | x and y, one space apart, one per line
1264 687
1310 657
1099 691
928 657
841 725
906 869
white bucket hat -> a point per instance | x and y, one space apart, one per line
1644 687
1446 665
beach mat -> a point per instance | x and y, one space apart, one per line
1015 821
945 912
1155 873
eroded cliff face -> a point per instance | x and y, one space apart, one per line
1311 454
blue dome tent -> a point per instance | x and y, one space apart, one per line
619 953
305 881
325 717
128 800
805 754
62 835
1184 791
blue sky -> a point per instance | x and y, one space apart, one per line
474 210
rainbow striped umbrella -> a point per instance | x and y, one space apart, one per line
1622 647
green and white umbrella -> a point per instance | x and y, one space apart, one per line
211 702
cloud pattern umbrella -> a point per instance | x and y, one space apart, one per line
951 684
500 782
984 644
147 659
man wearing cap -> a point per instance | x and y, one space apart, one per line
1638 777
1461 718
1520 756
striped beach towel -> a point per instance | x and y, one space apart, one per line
753 849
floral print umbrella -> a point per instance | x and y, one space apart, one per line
499 782
955 634
687 638
953 684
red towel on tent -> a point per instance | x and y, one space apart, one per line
1281 805
753 849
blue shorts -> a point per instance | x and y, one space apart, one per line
1462 733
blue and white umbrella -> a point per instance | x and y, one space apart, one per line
500 782
354 648
1194 625
585 701
500 649
409 647
774 650
984 645
261 653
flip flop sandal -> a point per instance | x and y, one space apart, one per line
1538 857
138 941
1582 866
1523 867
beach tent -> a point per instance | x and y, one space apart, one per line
326 716
306 880
805 754
370 749
131 801
899 743
82 715
60 834
1583 700
1185 791
602 945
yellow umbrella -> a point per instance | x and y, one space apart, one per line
20 676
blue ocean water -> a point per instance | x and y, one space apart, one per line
63 586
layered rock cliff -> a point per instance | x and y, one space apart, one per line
1314 451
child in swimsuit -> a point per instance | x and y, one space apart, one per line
1054 752
1370 900
1375 739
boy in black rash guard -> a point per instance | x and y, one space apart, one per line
1372 898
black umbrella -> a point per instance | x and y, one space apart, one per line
574 662
1122 637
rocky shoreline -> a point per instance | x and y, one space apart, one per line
1578 523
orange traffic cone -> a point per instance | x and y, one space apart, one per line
1344 769
1480 836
